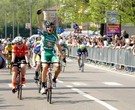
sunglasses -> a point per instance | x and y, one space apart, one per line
49 26
19 43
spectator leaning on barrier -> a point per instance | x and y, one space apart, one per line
124 35
133 44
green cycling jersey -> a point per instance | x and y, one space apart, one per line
48 42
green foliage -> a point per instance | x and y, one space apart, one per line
19 10
69 10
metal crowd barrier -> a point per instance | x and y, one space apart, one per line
108 55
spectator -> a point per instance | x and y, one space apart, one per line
124 35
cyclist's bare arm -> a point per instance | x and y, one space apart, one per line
27 58
39 20
59 49
13 57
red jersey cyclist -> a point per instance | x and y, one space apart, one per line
19 53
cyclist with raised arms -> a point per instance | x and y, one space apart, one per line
48 41
19 53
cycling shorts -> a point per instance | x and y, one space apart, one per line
49 58
18 59
38 58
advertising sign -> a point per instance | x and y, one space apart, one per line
113 29
113 23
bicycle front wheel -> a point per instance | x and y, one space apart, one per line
20 92
82 63
49 96
19 87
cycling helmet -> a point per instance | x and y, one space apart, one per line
9 43
18 39
13 41
49 24
5 42
37 42
82 46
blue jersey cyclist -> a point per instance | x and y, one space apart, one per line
37 59
48 41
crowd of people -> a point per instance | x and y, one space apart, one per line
116 42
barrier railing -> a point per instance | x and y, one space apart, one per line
108 55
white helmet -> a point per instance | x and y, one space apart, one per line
82 46
18 39
4 42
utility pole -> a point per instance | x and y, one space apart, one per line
31 17
57 19
13 23
5 24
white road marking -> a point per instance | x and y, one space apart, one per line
109 107
112 83
10 85
79 83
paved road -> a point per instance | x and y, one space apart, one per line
94 89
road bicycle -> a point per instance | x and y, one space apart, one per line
49 83
19 79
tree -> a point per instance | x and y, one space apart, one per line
74 11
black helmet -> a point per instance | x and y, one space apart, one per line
49 24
